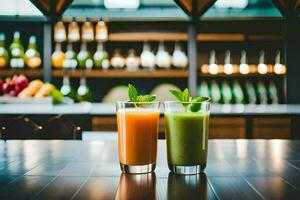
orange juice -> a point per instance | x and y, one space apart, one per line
137 136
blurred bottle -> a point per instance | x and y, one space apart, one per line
278 67
16 50
100 57
117 61
32 56
250 93
87 31
262 93
70 60
4 57
179 58
228 67
83 92
262 67
226 93
58 56
67 90
101 31
203 89
238 94
215 92
213 67
132 61
273 93
59 32
163 58
73 31
147 57
84 57
244 67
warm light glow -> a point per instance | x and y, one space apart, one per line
228 69
213 69
262 68
244 69
279 69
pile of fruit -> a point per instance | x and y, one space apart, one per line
20 87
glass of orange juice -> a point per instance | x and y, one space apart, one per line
137 135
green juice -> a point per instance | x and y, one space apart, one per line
187 138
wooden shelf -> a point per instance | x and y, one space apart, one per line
169 73
237 75
27 72
204 37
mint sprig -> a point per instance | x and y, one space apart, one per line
134 96
189 103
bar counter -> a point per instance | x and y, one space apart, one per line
109 109
236 169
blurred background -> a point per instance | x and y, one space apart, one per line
239 52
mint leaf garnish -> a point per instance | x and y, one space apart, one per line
189 103
135 97
132 93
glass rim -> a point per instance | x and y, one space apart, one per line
132 102
180 102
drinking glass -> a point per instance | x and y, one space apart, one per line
137 135
187 137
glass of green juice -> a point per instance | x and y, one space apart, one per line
187 136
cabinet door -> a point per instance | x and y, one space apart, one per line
272 128
227 128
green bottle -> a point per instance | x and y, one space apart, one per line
203 89
226 93
101 57
250 93
238 93
83 92
32 56
16 50
262 93
67 90
273 93
70 60
215 92
4 58
84 57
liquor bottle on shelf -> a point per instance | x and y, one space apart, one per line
203 89
84 57
100 57
278 67
238 94
228 67
101 31
73 31
244 67
70 60
58 56
226 93
147 57
87 31
117 61
16 52
163 58
262 93
273 93
32 56
132 61
59 32
83 92
262 67
67 90
250 93
213 67
215 92
179 58
4 57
